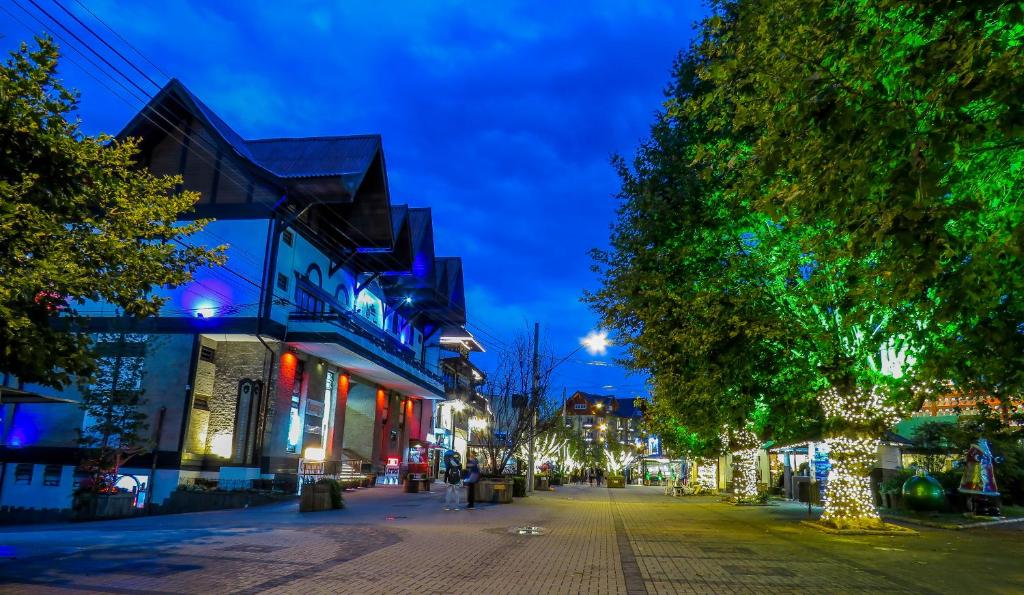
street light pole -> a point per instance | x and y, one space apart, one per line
534 401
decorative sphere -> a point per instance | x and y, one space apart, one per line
924 492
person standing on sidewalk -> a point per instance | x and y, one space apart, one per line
452 479
472 476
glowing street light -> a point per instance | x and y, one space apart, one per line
596 342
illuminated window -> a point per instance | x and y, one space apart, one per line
51 475
371 308
23 474
329 397
580 406
294 426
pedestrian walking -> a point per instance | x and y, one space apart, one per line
472 477
590 477
452 480
600 476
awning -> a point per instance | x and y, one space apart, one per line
14 396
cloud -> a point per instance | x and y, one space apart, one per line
500 116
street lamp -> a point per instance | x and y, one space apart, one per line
596 343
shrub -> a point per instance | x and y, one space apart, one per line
519 486
336 488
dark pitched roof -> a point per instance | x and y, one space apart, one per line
346 156
449 284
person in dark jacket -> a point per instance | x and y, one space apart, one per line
452 480
472 477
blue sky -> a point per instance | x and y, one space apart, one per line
502 118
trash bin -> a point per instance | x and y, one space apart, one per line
412 485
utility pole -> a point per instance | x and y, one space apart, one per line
534 403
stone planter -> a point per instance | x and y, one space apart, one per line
616 481
495 491
91 507
315 498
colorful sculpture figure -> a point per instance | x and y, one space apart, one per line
979 479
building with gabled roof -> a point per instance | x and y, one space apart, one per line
315 349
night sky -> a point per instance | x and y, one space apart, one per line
501 118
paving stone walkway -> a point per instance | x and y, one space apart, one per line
594 540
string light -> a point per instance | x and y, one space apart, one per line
863 414
707 471
744 478
744 462
849 503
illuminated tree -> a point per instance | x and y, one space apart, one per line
881 143
507 388
898 125
80 221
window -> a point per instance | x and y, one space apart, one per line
23 474
287 237
580 406
307 302
51 475
370 307
282 281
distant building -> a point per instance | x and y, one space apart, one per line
604 417
463 408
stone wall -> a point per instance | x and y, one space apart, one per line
216 431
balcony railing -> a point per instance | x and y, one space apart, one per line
316 305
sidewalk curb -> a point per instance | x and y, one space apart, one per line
897 530
954 526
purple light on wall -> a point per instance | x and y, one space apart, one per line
24 427
206 297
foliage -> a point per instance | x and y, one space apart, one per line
80 222
336 487
897 125
825 224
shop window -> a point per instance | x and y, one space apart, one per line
51 475
23 474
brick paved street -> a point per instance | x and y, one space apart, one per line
596 541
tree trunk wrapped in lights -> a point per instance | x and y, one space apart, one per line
744 478
856 417
848 499
744 463
707 474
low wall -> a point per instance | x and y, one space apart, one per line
182 501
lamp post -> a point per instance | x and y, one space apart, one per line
596 343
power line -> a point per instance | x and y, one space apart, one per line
190 148
297 224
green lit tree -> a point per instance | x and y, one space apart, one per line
80 221
685 292
881 142
898 125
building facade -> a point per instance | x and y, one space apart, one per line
319 340
604 417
